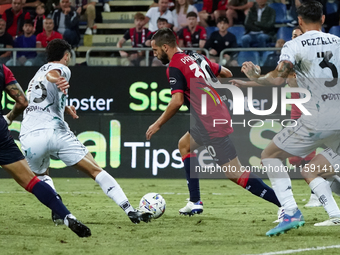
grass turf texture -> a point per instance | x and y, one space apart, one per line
233 222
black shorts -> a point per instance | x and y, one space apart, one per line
9 151
221 149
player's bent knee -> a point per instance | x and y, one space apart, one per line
183 146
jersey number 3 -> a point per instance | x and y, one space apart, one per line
43 94
326 64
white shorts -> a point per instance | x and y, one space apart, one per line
39 145
301 140
333 158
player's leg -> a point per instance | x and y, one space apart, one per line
295 141
186 146
65 145
272 158
110 187
318 166
299 162
223 151
45 177
39 161
45 194
36 146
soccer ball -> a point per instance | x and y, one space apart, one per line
154 203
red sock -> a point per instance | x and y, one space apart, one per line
32 183
243 180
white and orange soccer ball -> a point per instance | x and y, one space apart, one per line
154 203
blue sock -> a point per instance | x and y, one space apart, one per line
255 185
47 196
190 162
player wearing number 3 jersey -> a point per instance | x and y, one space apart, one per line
315 57
44 132
192 76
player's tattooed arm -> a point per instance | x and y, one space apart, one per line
15 91
273 78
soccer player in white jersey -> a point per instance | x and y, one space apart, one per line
314 56
45 133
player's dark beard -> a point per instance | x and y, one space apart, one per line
164 58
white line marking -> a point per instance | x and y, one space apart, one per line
318 248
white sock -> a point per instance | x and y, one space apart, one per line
68 216
48 180
321 188
281 184
112 189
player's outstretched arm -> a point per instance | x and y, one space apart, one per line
15 91
273 78
175 103
245 84
54 76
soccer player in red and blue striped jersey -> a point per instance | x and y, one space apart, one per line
192 76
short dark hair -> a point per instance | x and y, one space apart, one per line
164 36
310 11
222 19
192 14
162 20
56 49
28 21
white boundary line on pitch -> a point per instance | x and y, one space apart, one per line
318 248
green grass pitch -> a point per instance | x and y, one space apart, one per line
234 221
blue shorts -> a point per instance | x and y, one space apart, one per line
9 151
221 149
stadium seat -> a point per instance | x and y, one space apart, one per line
244 56
281 12
335 30
264 57
209 30
199 6
238 32
285 33
331 7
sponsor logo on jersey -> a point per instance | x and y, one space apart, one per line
330 96
172 80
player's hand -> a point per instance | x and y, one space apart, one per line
71 110
62 84
152 130
238 83
250 70
9 122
